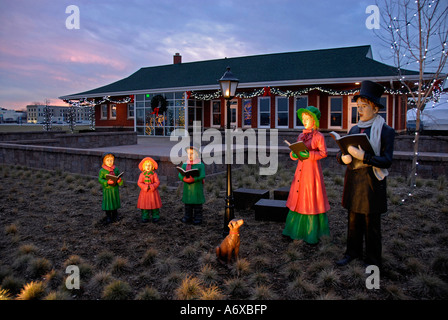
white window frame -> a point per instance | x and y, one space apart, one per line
277 98
295 126
104 112
329 112
112 107
130 109
259 112
212 113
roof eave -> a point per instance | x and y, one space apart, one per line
282 83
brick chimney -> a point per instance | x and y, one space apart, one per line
177 58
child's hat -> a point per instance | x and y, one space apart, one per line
153 162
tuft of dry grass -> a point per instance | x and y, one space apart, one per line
117 290
34 290
189 289
148 293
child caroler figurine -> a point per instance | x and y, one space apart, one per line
365 189
193 191
108 179
149 198
307 201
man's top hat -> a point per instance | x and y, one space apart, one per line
372 91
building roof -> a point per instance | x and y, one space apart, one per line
292 68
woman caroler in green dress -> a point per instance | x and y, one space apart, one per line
307 201
111 194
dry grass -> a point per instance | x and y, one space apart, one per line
49 228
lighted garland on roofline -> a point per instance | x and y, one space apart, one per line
86 102
267 91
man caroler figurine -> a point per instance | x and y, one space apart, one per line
364 194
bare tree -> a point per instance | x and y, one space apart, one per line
416 31
48 115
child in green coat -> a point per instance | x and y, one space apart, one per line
111 195
193 191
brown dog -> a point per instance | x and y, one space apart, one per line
231 244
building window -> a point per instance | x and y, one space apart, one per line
103 111
383 112
130 111
300 102
335 112
354 116
216 113
247 112
282 111
264 112
147 122
113 111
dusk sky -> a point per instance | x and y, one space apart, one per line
40 58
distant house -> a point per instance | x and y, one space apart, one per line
36 114
271 89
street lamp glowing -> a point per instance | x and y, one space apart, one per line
228 84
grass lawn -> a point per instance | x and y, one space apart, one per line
51 220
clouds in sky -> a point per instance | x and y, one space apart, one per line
41 59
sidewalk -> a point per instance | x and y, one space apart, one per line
146 146
161 147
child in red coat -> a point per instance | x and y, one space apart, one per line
149 198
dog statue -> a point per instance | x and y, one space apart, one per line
230 246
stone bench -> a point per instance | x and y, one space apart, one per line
246 198
271 210
282 193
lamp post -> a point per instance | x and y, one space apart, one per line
228 84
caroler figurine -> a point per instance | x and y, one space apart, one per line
149 198
307 201
365 188
192 173
110 179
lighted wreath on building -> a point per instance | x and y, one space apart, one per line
158 104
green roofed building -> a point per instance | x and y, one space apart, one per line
271 88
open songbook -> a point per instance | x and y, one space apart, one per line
296 147
356 140
113 177
188 173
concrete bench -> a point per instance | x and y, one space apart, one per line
246 198
271 210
